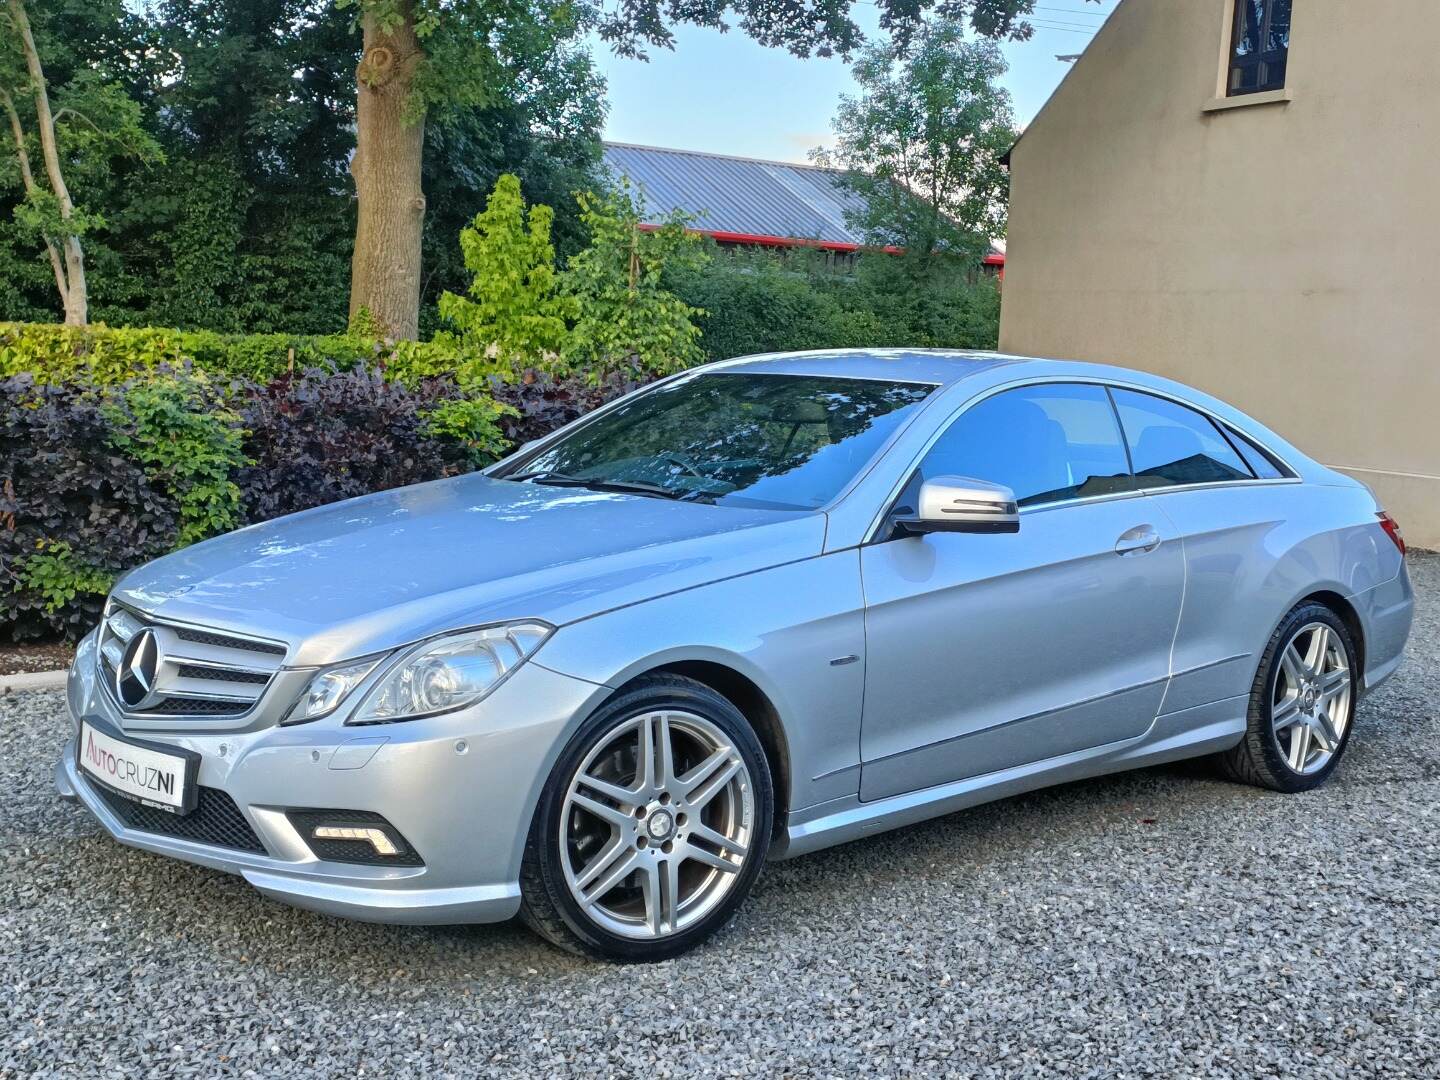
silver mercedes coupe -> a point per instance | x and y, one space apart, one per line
749 611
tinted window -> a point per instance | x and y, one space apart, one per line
1171 444
1261 46
789 442
1261 463
1045 443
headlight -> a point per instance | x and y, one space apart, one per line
450 673
328 689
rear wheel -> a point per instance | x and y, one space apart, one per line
1302 704
652 827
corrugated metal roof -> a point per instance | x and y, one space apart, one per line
744 196
739 195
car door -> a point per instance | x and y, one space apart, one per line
1230 500
985 652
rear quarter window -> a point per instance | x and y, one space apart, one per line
1172 445
1262 463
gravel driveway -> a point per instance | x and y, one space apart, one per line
1161 923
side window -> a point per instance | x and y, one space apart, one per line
1046 443
1172 445
1261 463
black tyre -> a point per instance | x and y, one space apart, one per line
652 826
1302 704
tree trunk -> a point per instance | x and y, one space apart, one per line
74 290
389 145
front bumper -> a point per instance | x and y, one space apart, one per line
460 788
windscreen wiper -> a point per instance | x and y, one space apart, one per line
623 487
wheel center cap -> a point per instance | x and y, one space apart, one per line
1310 697
660 824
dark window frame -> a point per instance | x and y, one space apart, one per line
1264 61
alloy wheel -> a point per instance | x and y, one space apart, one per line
656 824
1310 709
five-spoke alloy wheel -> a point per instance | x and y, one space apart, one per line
1301 705
653 825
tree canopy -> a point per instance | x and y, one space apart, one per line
247 222
923 140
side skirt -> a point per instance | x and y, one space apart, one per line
1194 732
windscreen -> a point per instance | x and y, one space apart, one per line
785 442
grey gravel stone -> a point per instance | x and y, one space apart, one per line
1161 923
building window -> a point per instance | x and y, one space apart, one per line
1261 46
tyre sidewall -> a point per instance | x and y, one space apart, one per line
646 697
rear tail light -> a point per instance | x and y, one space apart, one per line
1392 530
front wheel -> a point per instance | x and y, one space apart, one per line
1301 706
652 826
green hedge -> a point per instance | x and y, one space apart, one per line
755 302
105 356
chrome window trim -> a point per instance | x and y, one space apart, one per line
874 533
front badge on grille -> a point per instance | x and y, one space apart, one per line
135 677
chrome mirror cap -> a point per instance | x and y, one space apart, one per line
960 504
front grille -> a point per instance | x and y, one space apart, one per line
361 852
201 673
216 820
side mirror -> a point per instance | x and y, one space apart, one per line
959 504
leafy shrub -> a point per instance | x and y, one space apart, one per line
319 437
181 433
75 512
628 320
539 402
96 479
514 311
100 354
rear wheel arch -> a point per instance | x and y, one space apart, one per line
1351 618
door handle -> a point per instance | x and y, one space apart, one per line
1137 541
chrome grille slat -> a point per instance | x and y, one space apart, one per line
210 637
219 656
192 669
174 685
202 674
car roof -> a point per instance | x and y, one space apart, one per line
947 367
940 367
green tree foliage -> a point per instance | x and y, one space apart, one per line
628 319
64 135
249 222
922 143
425 60
817 28
514 312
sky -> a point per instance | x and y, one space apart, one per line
724 94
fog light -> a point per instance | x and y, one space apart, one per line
361 837
376 838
